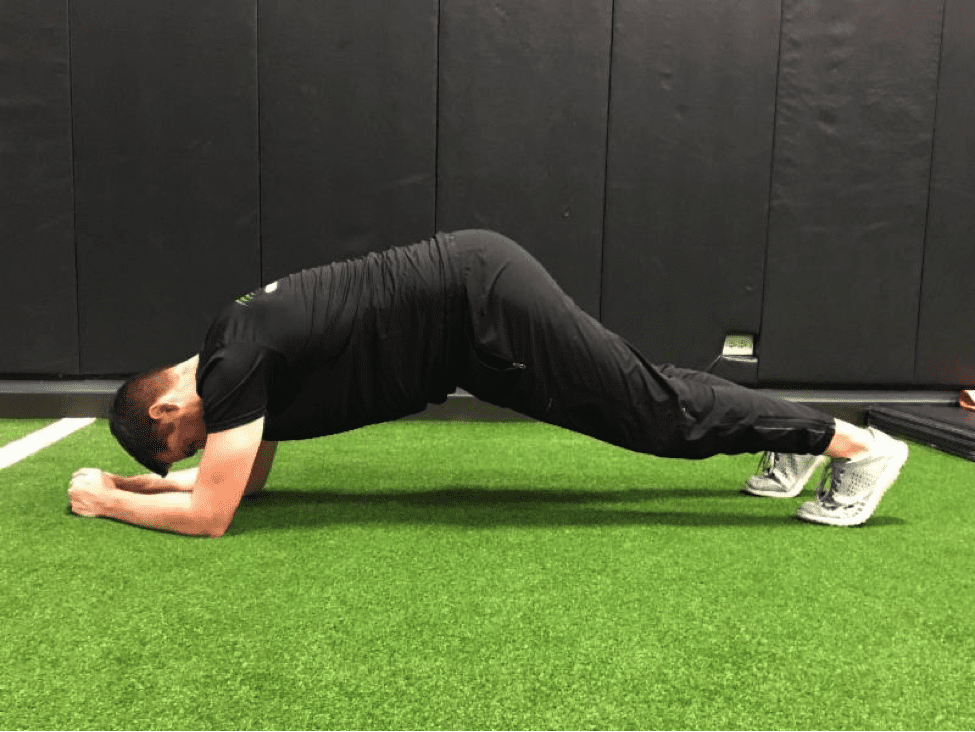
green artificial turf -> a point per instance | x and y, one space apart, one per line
430 575
14 429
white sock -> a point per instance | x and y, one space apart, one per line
869 440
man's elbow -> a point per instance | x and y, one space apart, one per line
213 525
210 516
214 530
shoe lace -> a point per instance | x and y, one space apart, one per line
766 464
834 474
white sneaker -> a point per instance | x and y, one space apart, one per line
782 475
856 485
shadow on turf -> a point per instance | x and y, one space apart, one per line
487 507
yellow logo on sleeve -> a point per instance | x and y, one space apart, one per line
250 296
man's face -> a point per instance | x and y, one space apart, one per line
181 445
186 438
179 414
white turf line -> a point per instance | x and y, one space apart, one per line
37 441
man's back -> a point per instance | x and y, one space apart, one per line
331 348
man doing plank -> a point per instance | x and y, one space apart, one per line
377 338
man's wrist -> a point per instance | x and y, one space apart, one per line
138 483
108 503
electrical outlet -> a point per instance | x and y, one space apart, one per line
739 344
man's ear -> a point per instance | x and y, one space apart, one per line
157 410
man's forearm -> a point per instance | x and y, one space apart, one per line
166 511
180 480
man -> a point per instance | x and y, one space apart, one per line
377 338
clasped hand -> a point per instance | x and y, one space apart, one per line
88 490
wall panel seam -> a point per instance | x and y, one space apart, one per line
260 143
771 184
436 121
74 201
927 213
609 121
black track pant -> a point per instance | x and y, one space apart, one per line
530 348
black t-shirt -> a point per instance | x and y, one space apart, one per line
331 349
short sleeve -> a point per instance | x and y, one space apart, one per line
235 385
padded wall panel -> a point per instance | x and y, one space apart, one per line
522 145
855 122
165 116
690 150
348 128
38 299
946 333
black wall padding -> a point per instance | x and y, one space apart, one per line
946 334
165 118
38 310
348 128
522 142
693 99
854 128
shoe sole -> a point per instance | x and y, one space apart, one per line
885 481
797 487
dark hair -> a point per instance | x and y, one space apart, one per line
140 435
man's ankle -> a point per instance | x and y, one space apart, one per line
849 442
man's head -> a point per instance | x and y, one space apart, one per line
157 416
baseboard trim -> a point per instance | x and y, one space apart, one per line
93 398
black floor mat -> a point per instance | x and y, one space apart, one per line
946 427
